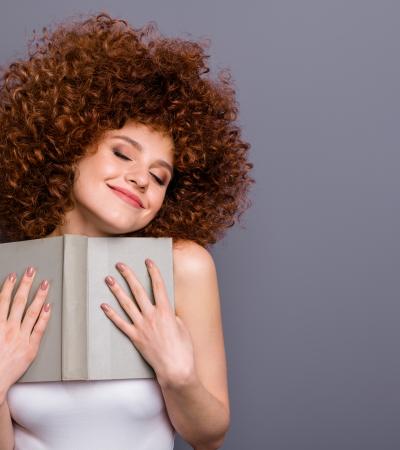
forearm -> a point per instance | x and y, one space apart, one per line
200 418
6 428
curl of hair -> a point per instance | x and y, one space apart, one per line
92 75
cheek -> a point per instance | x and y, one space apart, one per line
92 174
82 194
157 201
86 187
160 198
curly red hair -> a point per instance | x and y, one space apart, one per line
90 76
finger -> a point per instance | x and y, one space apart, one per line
137 289
35 307
5 295
123 325
159 288
21 296
40 327
124 300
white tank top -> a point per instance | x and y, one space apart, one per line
82 415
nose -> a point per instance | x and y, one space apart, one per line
139 176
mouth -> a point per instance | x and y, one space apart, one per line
131 199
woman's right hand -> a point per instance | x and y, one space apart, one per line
20 339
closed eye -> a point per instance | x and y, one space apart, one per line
122 156
159 180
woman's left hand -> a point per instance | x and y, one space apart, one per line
157 333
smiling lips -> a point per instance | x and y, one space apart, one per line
130 198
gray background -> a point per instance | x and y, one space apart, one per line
310 285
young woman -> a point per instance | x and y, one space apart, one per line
108 130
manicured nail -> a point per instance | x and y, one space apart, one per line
47 307
12 276
120 266
109 280
104 307
30 270
44 284
149 262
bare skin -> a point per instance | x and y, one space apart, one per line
19 340
191 368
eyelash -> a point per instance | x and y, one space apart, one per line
122 156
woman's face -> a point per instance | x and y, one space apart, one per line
135 159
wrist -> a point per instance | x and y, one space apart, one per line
178 380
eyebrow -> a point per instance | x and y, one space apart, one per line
138 146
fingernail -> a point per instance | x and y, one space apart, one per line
44 284
12 276
120 266
30 270
149 262
104 307
109 280
47 307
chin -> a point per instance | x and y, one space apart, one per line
102 222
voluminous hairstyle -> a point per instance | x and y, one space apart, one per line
90 76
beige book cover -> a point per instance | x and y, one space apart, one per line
80 341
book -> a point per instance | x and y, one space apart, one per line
80 342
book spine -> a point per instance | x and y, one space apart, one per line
74 309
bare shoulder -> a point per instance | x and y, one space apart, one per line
197 303
191 259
